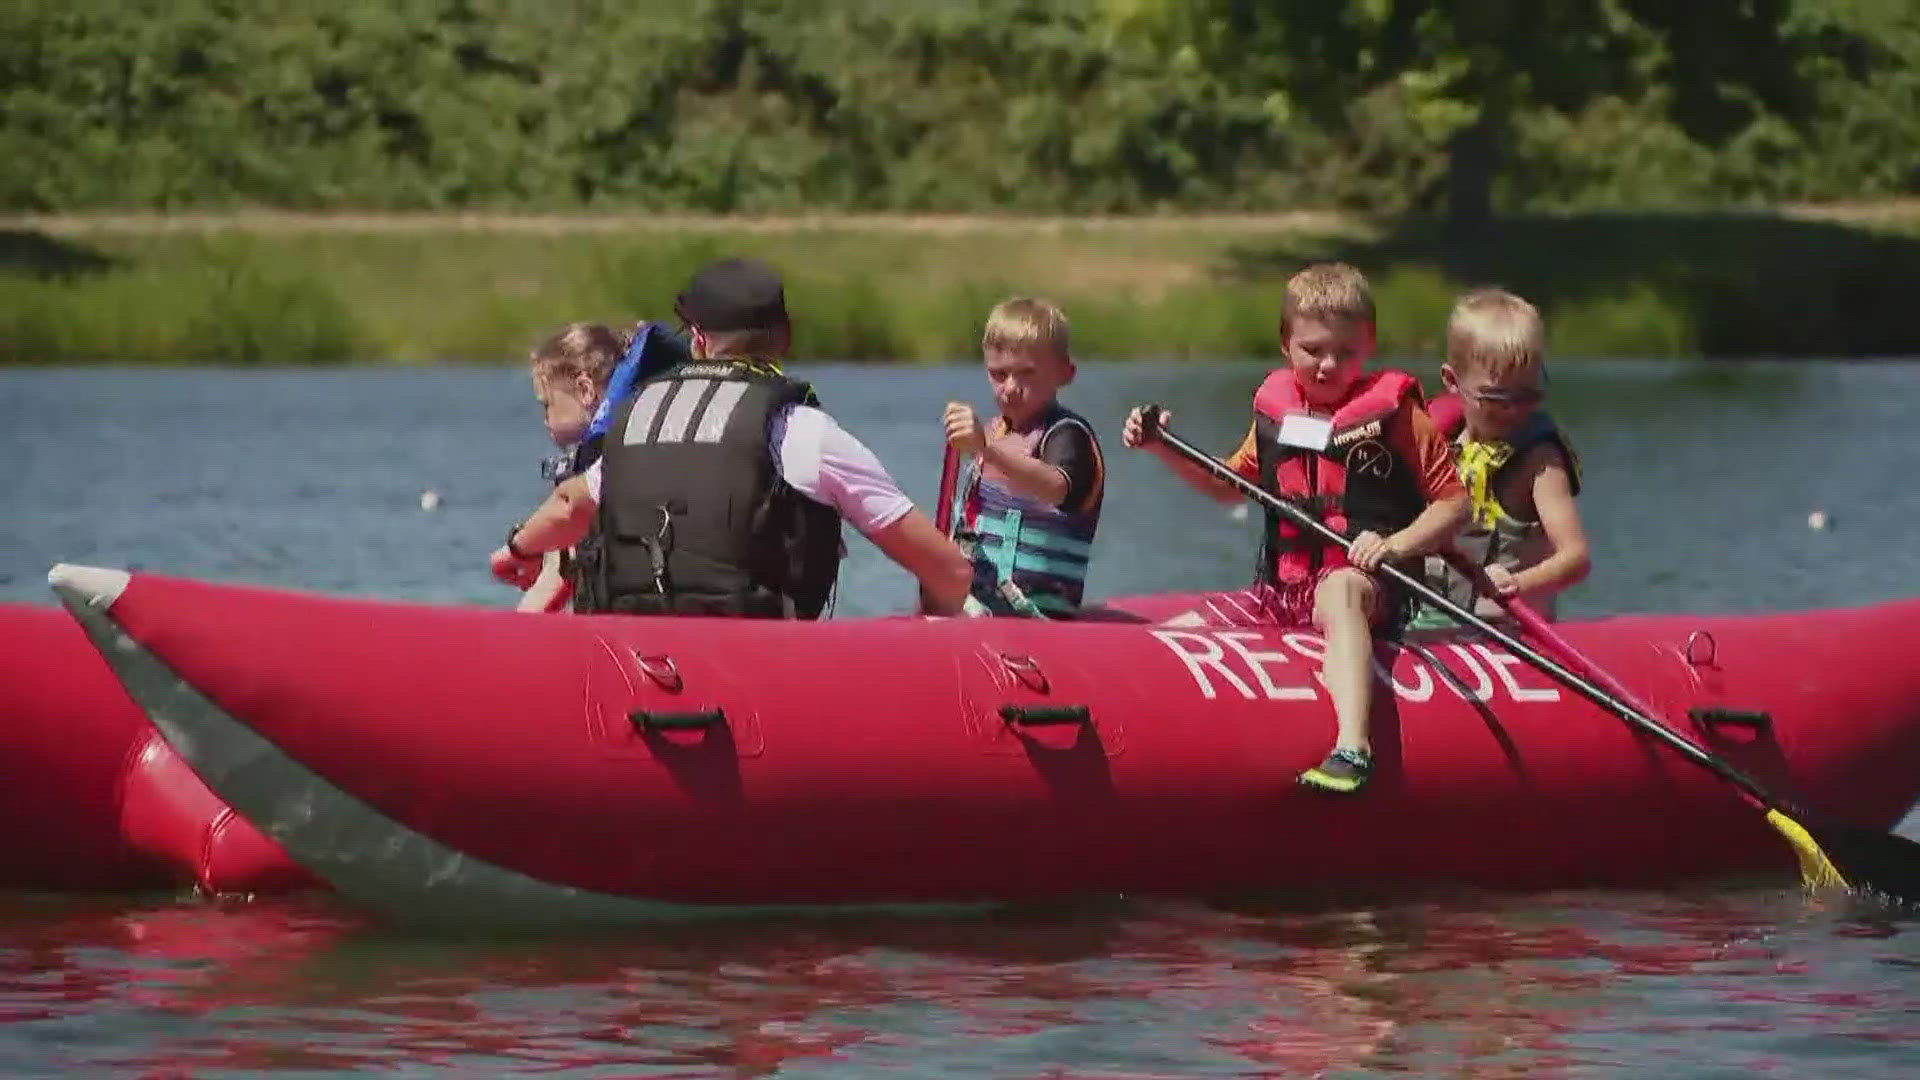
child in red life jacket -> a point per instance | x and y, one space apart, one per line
1028 503
1356 449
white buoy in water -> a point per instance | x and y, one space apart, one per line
1238 513
429 500
1817 520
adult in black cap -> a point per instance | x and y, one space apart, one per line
722 485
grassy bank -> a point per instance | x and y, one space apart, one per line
280 289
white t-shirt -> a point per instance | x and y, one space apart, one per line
820 460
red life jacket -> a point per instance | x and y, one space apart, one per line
1359 482
1448 413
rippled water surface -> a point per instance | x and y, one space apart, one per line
1699 484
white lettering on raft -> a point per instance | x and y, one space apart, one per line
1210 654
1211 657
1234 640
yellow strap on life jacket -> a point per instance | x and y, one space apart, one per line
1478 463
755 365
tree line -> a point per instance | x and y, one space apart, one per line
1388 107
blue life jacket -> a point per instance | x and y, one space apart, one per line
654 351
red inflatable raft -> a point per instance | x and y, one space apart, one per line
95 799
480 765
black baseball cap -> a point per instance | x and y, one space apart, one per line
733 294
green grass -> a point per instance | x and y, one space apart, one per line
258 290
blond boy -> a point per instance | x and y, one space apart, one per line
1355 448
1520 472
1028 504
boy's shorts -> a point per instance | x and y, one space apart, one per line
1291 603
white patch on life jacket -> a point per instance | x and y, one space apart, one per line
1305 431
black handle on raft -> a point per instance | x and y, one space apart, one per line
1036 715
1748 718
646 720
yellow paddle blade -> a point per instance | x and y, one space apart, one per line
1816 869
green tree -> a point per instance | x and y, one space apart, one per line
1467 71
1037 105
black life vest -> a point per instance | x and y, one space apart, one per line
1359 482
694 517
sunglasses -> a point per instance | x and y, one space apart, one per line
1496 396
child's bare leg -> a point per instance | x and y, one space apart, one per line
1342 610
1341 606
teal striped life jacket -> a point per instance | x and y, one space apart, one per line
1028 558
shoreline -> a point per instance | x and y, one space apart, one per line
1877 211
585 222
281 287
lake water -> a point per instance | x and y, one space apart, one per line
1700 480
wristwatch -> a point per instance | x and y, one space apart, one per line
514 551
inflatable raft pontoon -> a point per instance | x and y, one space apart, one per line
95 799
478 765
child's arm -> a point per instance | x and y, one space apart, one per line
1244 460
1433 530
1030 476
562 521
1042 477
1447 504
1072 453
1559 517
550 591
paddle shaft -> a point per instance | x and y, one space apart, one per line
1419 588
1543 631
949 477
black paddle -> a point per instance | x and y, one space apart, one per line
1830 853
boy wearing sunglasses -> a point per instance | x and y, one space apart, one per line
1520 472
